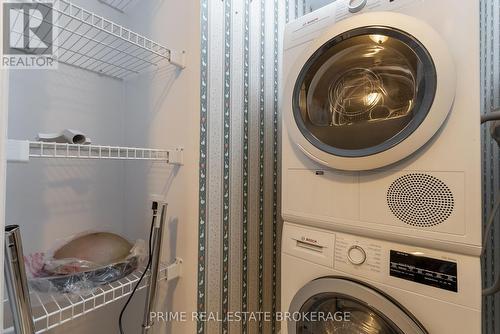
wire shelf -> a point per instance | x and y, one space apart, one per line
120 5
23 150
50 311
91 42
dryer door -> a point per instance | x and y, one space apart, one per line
337 305
364 92
369 95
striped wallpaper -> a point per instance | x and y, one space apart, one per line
239 220
490 83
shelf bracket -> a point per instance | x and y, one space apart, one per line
176 157
178 58
18 150
174 270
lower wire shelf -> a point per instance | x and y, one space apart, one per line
50 311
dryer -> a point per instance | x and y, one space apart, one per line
380 112
345 283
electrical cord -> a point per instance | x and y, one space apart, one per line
494 115
495 288
489 224
150 257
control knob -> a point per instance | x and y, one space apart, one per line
356 5
356 255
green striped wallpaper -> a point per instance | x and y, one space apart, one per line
239 220
490 90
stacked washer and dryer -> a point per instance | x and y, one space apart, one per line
381 168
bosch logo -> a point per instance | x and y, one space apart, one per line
309 240
316 19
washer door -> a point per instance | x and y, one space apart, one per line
368 311
370 95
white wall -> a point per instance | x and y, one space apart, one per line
163 111
54 199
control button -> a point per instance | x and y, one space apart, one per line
356 5
356 255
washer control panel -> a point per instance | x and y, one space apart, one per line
315 252
383 261
346 8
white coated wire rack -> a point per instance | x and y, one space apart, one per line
23 150
120 5
50 311
88 41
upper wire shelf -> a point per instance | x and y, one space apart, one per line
52 310
23 150
120 5
91 42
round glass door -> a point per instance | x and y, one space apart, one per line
364 91
362 318
345 306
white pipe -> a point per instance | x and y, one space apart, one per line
68 136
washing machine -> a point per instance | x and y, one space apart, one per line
381 132
341 283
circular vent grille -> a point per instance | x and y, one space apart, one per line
420 200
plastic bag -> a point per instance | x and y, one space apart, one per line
77 276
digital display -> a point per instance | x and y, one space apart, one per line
424 270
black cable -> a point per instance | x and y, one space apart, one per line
150 257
